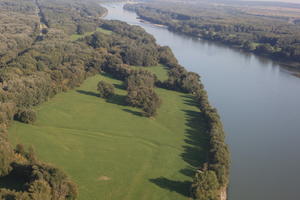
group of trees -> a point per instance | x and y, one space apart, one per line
265 36
213 177
140 87
40 180
106 90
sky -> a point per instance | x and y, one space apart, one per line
288 1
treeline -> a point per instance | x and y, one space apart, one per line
212 178
264 36
72 16
38 180
19 27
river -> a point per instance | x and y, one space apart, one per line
259 105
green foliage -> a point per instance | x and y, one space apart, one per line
145 98
106 90
141 94
6 157
27 116
206 186
269 36
140 78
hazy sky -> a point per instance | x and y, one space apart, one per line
290 1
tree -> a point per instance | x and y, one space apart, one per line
6 157
140 78
106 90
27 116
144 98
20 149
205 186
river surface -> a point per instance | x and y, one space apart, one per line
259 105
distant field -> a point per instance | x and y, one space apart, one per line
111 151
78 36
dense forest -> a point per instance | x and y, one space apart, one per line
38 62
275 37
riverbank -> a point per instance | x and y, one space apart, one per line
257 102
257 49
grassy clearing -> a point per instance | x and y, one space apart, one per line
111 151
78 36
159 70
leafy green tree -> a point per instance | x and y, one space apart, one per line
27 116
106 90
6 157
205 186
145 98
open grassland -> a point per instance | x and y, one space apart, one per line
78 36
111 151
159 70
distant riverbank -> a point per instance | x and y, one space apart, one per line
292 66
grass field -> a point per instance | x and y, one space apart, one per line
111 151
78 36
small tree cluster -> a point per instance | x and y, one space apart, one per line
140 86
106 90
205 186
145 98
6 157
27 116
42 181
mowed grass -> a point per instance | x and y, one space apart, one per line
159 70
78 36
111 151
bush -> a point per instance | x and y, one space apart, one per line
6 157
27 116
205 186
106 90
144 98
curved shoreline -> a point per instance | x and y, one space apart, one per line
292 67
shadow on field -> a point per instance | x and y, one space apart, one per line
90 93
133 112
195 150
118 100
14 180
190 172
181 187
120 86
188 100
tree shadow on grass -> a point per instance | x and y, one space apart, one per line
117 99
189 100
119 86
90 93
181 187
195 149
133 112
189 172
14 180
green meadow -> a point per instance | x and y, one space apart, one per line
78 36
110 150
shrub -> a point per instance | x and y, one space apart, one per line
106 90
6 157
144 98
205 186
27 116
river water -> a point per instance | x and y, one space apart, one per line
259 105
